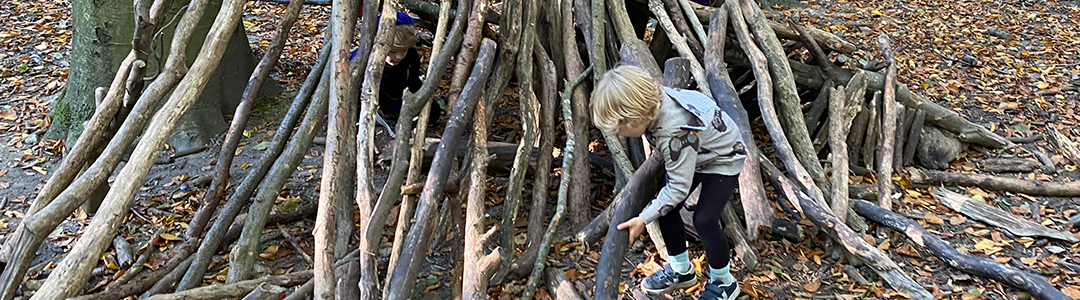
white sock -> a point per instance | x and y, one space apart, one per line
723 275
681 263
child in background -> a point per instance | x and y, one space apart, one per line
700 146
402 69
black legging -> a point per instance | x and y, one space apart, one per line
715 193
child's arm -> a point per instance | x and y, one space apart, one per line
679 154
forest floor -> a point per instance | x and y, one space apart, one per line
1016 86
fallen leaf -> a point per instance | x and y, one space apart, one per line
3 172
1028 260
813 286
957 220
245 166
908 251
884 245
984 244
933 218
170 237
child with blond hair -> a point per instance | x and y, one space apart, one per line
699 145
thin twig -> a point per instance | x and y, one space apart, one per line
295 243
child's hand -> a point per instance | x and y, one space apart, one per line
636 225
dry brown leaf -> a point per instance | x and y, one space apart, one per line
813 286
884 245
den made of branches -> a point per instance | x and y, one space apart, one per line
501 207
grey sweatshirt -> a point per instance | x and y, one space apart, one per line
691 135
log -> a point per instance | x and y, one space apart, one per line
818 107
475 281
1008 165
1027 282
239 121
756 208
1064 144
879 262
416 152
1015 225
646 183
266 291
236 290
936 114
888 127
303 292
76 266
560 287
1026 139
839 111
991 182
913 137
408 263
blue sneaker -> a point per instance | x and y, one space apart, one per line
667 280
714 290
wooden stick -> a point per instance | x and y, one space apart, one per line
757 210
239 121
416 157
580 195
680 42
238 289
888 127
913 137
1030 283
878 260
560 286
824 39
408 264
906 117
1016 225
474 282
695 23
870 139
991 182
564 184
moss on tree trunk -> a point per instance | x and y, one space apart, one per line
101 39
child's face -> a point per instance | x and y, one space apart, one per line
634 128
395 58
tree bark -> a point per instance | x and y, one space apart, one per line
878 260
839 111
1016 225
469 47
1032 284
408 264
870 139
824 39
561 288
914 135
505 62
239 121
76 267
675 15
756 207
564 185
1064 143
907 115
266 291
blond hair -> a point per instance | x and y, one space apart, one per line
402 37
624 95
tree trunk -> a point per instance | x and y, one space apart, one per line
579 198
991 182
